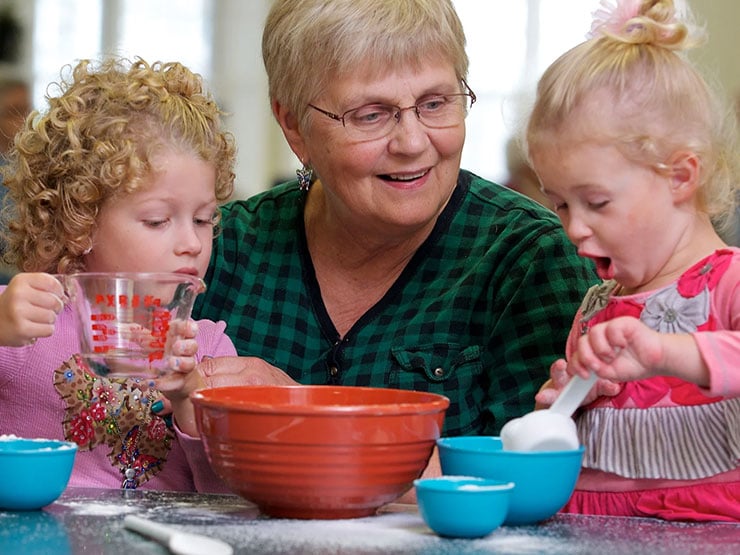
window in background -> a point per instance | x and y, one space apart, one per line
63 32
188 35
510 44
70 30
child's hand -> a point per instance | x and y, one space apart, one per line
181 346
622 349
29 307
180 379
559 377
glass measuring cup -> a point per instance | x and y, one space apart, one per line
123 318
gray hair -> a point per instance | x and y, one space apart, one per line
306 43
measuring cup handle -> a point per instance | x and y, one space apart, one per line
573 394
64 280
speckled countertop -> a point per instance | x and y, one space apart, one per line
91 521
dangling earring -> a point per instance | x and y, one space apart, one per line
305 174
88 250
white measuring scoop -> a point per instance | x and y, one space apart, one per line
550 429
178 542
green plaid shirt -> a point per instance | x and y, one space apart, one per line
478 315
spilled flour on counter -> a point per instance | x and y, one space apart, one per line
402 533
383 533
91 508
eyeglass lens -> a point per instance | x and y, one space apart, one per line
377 120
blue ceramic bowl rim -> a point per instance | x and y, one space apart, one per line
463 444
33 446
462 484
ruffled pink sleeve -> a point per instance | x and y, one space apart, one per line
720 349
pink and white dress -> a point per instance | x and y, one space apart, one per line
664 447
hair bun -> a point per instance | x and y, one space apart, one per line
651 22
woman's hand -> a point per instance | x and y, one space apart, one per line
29 307
211 372
224 371
559 378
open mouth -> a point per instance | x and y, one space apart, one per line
403 177
603 267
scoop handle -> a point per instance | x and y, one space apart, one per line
154 530
573 394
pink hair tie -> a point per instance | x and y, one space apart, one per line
613 16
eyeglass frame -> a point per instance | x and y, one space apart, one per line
399 109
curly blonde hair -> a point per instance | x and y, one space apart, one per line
97 141
661 103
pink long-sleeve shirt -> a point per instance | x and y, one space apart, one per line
37 399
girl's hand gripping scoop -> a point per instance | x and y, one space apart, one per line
550 429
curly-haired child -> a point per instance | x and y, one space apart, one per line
123 172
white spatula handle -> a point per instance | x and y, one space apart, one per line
178 542
159 532
573 394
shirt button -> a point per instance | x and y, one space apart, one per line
333 371
439 372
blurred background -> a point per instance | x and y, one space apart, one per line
510 42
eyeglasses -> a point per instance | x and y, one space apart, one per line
375 121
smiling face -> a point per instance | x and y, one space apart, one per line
166 226
392 186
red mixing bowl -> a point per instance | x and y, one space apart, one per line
321 452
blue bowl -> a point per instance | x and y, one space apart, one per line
463 506
544 480
35 471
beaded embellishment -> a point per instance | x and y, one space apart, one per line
114 412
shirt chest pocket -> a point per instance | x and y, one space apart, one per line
429 367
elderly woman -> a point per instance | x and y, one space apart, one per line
384 264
